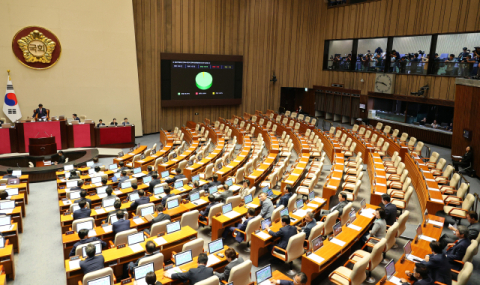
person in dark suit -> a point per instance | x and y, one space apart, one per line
78 187
225 194
466 159
1 122
150 170
122 166
299 279
457 250
214 182
140 201
419 276
390 210
83 212
61 158
120 225
123 177
92 262
100 123
176 177
310 222
241 226
114 122
3 195
9 174
40 111
284 199
204 214
151 279
73 175
125 122
285 233
473 230
167 191
300 110
75 117
438 264
194 275
342 202
155 181
149 251
83 235
160 215
110 194
83 195
233 261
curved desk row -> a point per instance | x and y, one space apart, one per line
129 156
192 138
167 141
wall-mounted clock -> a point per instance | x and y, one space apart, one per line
385 83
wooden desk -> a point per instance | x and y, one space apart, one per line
167 140
297 174
190 136
277 275
334 179
7 261
115 136
16 215
129 156
378 180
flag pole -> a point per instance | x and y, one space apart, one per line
8 71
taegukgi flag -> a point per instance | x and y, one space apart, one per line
10 104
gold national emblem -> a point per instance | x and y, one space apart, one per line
36 47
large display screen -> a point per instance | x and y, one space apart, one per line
201 80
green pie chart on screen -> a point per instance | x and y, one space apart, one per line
204 80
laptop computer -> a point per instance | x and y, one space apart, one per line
173 227
90 163
126 184
117 175
165 174
147 211
263 275
159 192
147 179
75 207
229 182
108 202
68 167
213 191
114 178
195 178
363 204
227 208
337 229
174 155
112 167
215 246
71 184
85 225
183 258
248 199
195 198
135 238
353 216
98 249
165 159
133 196
17 173
265 223
317 243
12 191
137 172
113 218
140 272
105 280
74 195
311 196
172 204
5 220
390 269
178 185
299 204
91 171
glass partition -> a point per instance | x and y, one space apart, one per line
410 55
371 55
456 54
340 54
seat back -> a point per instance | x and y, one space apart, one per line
387 129
402 220
160 227
240 274
252 226
301 117
361 131
471 250
196 246
121 237
391 236
412 141
346 213
465 274
355 128
314 122
209 281
468 202
358 274
140 207
213 211
295 247
434 157
419 147
330 221
239 175
454 180
379 126
314 233
332 130
367 134
107 271
376 256
157 260
404 137
235 200
374 138
462 190
176 197
380 142
274 128
395 133
190 219
76 222
291 203
276 213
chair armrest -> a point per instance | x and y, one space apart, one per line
348 262
79 282
237 230
146 234
459 261
341 275
460 209
281 249
440 283
112 245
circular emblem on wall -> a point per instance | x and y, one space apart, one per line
36 47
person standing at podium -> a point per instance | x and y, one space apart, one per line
40 111
75 117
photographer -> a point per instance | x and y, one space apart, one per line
476 55
414 64
365 62
451 61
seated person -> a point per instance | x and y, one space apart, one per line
450 127
176 177
196 187
225 194
9 174
40 111
473 230
284 199
167 191
110 194
155 181
75 117
204 214
61 158
466 159
79 186
83 194
100 123
73 175
423 122
266 206
83 212
434 124
83 235
105 181
241 226
3 195
113 122
92 262
117 205
438 265
120 225
151 279
379 229
160 215
97 171
141 200
149 251
123 177
342 202
125 122
194 275
150 170
310 222
245 188
285 233
214 182
122 166
298 279
457 250
420 276
233 261
1 122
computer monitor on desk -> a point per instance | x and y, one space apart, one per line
263 275
141 271
105 280
215 246
183 257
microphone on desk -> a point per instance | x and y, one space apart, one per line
18 165
37 135
46 133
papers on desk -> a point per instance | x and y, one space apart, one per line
232 214
67 202
199 202
379 184
101 196
9 211
300 213
429 239
337 241
332 187
98 184
212 259
92 233
109 209
107 229
436 223
368 213
337 170
395 280
316 258
6 228
336 178
413 258
319 200
436 200
289 181
354 227
311 205
235 187
160 241
457 156
295 174
378 193
138 221
433 189
100 211
3 187
251 205
136 247
74 264
173 270
433 180
117 192
263 235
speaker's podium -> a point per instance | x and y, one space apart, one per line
42 146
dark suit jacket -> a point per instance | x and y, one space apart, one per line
1 122
175 178
473 230
120 226
467 157
225 194
286 282
102 124
86 200
82 213
91 264
113 124
226 273
284 200
8 176
122 179
161 217
125 124
242 227
61 159
309 227
43 113
152 184
207 209
339 207
164 199
77 119
84 241
427 281
457 252
195 275
140 201
390 214
285 233
439 268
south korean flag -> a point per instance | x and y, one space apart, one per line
10 104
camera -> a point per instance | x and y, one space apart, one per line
421 92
